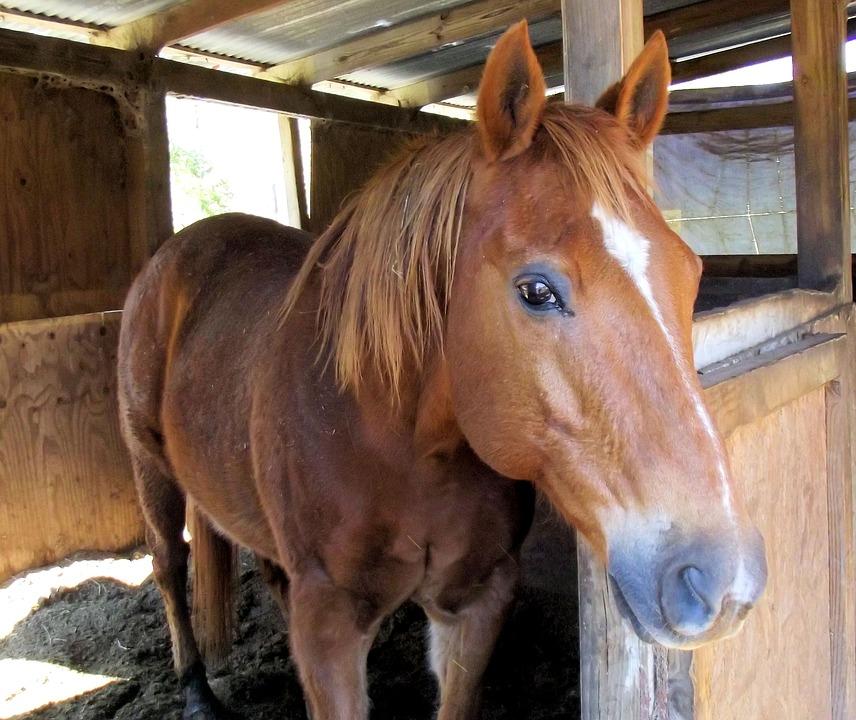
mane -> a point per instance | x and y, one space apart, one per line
387 261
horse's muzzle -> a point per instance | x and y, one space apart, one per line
689 594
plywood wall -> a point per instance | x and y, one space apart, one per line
779 666
65 480
64 220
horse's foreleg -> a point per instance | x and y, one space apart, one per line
460 648
163 506
331 634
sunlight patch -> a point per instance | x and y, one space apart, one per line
22 595
26 685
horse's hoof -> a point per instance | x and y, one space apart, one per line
200 702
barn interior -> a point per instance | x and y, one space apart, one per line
751 169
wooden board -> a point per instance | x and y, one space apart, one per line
65 479
343 158
818 33
779 665
64 221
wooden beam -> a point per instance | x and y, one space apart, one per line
747 117
410 38
154 32
726 60
466 80
743 393
675 22
711 13
719 62
83 31
821 145
117 71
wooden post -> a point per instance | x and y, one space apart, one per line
292 170
620 676
818 34
149 200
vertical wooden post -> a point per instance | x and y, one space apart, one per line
600 39
149 201
292 169
621 677
818 34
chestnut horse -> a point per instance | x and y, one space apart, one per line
504 304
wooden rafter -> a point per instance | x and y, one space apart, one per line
410 38
673 22
461 82
154 32
110 69
711 13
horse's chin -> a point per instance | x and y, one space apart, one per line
628 614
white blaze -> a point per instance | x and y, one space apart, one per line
630 249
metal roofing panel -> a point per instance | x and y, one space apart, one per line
302 27
448 58
96 12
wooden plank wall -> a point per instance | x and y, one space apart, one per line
64 227
343 158
65 480
779 666
83 204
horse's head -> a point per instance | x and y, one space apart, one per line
569 353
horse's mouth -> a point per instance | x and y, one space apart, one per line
628 614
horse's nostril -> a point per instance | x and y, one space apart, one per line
686 601
693 579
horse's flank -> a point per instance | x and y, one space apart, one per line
387 261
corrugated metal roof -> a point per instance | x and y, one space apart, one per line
97 12
302 27
448 58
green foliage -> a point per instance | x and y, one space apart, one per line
197 192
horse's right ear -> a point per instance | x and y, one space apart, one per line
511 95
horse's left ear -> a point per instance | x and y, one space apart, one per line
511 95
640 99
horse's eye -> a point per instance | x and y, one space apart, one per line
537 293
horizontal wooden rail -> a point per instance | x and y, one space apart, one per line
742 393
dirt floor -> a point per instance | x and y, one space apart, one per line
105 627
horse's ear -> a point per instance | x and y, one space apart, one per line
640 99
511 95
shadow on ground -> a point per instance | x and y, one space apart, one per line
106 628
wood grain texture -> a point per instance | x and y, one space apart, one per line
711 13
411 38
818 32
745 393
740 56
466 80
152 32
148 196
840 503
779 665
123 73
64 225
65 478
343 158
